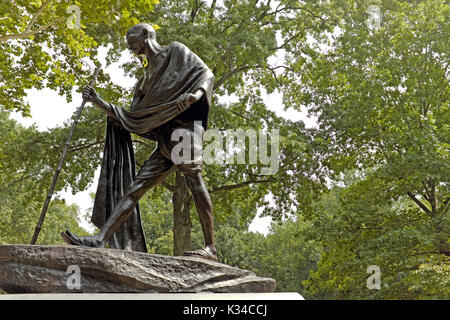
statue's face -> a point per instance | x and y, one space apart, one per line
136 43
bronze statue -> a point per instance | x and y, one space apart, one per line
174 93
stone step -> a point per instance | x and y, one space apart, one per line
73 269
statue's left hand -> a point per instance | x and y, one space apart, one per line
186 99
183 102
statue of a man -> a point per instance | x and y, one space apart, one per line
174 93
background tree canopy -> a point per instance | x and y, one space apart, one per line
368 185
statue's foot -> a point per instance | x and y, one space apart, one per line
208 252
87 241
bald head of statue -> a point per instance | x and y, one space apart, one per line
141 39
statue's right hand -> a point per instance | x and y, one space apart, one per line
89 94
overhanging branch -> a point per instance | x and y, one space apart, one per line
419 203
229 74
25 35
85 146
36 15
239 185
168 186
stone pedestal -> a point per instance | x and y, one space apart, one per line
72 269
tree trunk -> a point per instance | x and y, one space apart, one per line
181 216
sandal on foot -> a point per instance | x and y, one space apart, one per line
202 253
71 238
88 241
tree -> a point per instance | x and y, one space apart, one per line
290 257
236 246
44 42
157 219
381 98
385 105
356 231
21 189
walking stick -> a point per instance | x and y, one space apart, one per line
61 160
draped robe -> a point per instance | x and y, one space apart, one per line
172 72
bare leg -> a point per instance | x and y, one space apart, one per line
126 205
205 211
154 171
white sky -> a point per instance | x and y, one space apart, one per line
48 110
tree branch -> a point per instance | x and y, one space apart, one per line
288 40
229 74
168 186
24 177
142 142
432 195
211 10
419 203
238 114
228 26
194 10
36 15
25 35
265 12
310 12
445 205
429 252
238 185
85 146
